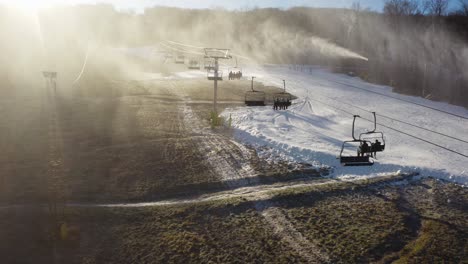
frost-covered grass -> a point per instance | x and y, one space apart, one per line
371 220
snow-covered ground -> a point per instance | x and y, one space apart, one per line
189 74
313 129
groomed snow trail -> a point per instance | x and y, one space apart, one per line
313 129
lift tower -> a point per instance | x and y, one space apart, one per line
216 54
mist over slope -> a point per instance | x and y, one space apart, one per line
417 55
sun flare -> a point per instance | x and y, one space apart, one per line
31 5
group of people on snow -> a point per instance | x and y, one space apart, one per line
281 104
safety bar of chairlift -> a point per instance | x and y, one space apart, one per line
356 161
374 130
343 147
350 141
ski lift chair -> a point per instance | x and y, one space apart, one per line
359 160
283 96
364 159
211 75
208 64
194 65
374 135
235 73
253 97
180 59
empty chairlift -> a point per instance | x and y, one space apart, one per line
180 59
211 74
194 64
253 97
362 157
208 64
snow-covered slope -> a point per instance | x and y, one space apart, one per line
313 129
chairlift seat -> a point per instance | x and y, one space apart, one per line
356 161
180 59
255 103
255 98
211 76
193 65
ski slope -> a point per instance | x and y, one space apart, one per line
313 129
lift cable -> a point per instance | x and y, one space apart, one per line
400 121
399 99
181 50
394 129
198 47
391 128
391 118
182 44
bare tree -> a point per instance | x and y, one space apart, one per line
463 7
356 6
401 7
436 7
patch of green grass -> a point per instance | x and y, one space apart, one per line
436 243
350 223
351 227
187 235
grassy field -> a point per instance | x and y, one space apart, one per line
349 222
132 144
137 141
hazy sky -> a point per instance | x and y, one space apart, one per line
139 5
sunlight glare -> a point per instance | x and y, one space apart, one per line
32 6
